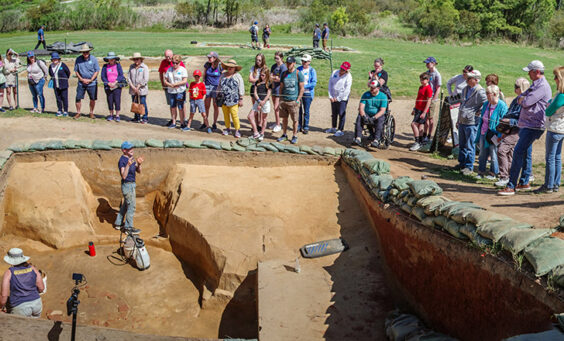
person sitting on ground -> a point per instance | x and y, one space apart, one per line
60 75
197 92
175 80
232 90
473 98
37 72
487 139
291 90
371 112
275 71
212 72
436 82
493 79
310 81
11 66
510 133
261 108
420 111
86 68
21 285
166 63
138 79
531 127
254 36
128 166
266 36
114 80
459 82
554 136
340 84
316 36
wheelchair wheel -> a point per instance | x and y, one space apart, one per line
389 132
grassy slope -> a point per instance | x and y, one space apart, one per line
403 58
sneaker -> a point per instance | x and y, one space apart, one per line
425 140
339 133
479 176
277 128
375 144
490 177
117 227
237 134
531 178
136 120
282 138
226 132
305 132
523 188
214 126
33 111
11 108
466 171
294 139
132 230
502 183
59 114
184 127
109 118
261 137
555 189
357 141
168 123
506 191
116 119
2 110
415 147
203 126
457 167
172 125
256 136
66 114
543 189
143 121
209 130
331 131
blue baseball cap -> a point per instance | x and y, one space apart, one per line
55 55
430 60
126 145
256 22
30 54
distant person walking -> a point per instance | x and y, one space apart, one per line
232 90
11 67
266 36
316 36
21 285
60 74
211 74
340 85
36 76
310 81
166 63
86 68
254 29
175 80
128 167
41 37
292 91
275 71
114 80
138 80
325 35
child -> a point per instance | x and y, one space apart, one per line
422 104
261 108
197 92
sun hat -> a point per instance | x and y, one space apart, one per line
346 66
11 51
430 60
474 74
290 60
213 54
197 73
126 145
15 257
375 83
111 55
136 55
306 58
231 63
534 65
85 48
30 54
55 55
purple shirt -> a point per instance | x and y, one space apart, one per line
534 104
23 287
486 119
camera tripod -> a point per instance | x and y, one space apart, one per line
73 302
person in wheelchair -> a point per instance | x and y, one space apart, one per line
371 113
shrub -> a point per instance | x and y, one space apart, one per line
12 20
557 25
339 19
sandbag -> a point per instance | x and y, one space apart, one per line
101 145
428 221
38 146
254 148
339 151
460 213
86 144
70 144
406 208
236 147
307 149
6 154
154 143
385 181
212 144
453 228
292 149
494 230
393 192
444 206
459 209
516 240
545 254
269 147
245 142
115 143
469 230
549 335
373 181
319 150
479 217
193 144
423 188
430 203
138 143
402 194
173 144
19 148
328 151
412 201
418 213
376 166
440 221
398 326
226 146
557 276
402 183
55 145
383 195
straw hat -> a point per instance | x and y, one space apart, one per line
85 48
231 63
15 257
111 55
137 55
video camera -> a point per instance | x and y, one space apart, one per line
73 302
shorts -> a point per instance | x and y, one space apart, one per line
254 39
28 309
177 100
265 109
417 116
289 109
3 85
197 104
433 109
92 91
211 91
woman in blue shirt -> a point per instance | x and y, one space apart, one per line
310 81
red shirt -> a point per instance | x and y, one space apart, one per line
165 64
197 90
424 93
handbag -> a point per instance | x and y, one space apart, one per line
489 135
504 128
51 84
138 107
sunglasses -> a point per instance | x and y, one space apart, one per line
175 63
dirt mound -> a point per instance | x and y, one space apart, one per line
50 202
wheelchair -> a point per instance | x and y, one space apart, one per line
388 132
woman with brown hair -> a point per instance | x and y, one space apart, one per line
261 108
212 72
260 64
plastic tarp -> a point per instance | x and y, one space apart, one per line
423 188
101 145
173 144
154 143
516 240
212 144
545 254
494 230
193 144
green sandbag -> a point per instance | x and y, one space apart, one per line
479 217
3 161
545 254
516 240
254 148
453 228
101 145
115 143
278 146
193 144
558 277
307 149
428 221
138 143
406 208
385 181
55 145
423 188
319 150
376 166
562 221
173 144
86 144
440 221
418 213
339 151
459 214
393 192
328 151
245 142
237 148
154 143
430 203
401 183
402 326
6 154
212 144
70 144
412 201
269 147
469 230
19 148
494 230
373 180
457 208
383 195
292 149
38 146
226 146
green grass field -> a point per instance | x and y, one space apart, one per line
404 59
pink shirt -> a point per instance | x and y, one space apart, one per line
486 119
112 73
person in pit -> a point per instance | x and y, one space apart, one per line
128 167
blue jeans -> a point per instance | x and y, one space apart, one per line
466 137
484 153
522 164
127 208
339 112
142 100
303 118
553 159
37 91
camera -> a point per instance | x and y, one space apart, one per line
77 278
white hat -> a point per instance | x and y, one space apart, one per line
375 83
474 74
534 65
306 58
15 256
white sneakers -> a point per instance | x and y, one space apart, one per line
502 183
415 147
331 131
466 171
339 133
277 128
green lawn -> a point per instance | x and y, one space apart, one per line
403 58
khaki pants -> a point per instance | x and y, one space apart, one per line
505 154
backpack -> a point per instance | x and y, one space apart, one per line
253 30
